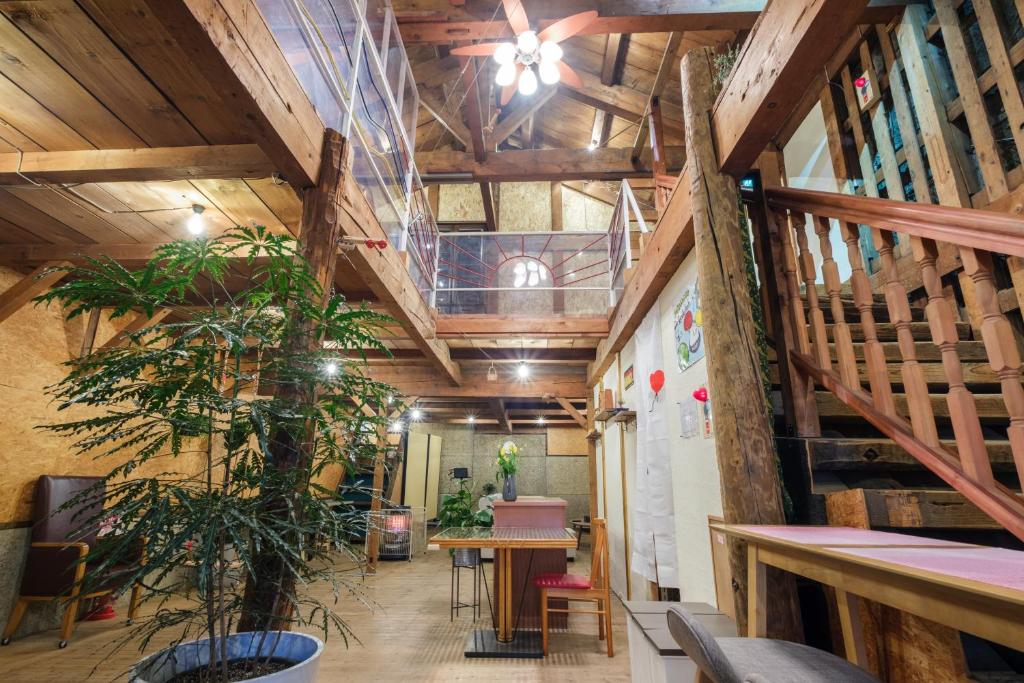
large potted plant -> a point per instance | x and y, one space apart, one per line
226 419
457 511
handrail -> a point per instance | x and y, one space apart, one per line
975 228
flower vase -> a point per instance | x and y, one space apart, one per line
508 491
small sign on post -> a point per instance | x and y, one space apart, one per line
866 93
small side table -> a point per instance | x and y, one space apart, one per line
580 527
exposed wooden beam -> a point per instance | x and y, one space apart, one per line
618 100
501 414
541 164
519 115
616 16
428 382
449 120
140 321
244 64
573 413
615 50
668 61
473 114
490 215
29 287
135 165
520 325
89 336
778 62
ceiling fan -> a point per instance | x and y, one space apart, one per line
530 48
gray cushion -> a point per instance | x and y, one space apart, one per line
758 660
780 661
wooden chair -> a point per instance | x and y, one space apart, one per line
575 587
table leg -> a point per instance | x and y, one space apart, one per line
757 612
853 634
504 557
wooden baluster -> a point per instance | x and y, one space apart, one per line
919 404
807 270
796 304
846 359
963 412
874 356
1000 346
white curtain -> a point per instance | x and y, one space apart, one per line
652 524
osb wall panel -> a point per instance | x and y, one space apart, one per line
580 212
460 203
34 342
567 441
525 207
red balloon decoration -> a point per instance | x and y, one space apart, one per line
860 82
701 394
657 380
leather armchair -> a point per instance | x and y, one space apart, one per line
58 554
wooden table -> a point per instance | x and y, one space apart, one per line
976 589
504 540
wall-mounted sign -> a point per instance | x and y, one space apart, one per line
689 328
865 87
627 377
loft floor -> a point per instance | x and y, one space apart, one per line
407 637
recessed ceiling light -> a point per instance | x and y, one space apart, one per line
523 371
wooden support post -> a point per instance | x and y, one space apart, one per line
89 336
591 457
745 448
134 325
321 229
374 523
658 165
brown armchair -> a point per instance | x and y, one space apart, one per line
58 554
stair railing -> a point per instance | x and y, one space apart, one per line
625 213
934 232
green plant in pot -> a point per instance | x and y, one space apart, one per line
457 511
225 419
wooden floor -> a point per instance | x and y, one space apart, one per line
407 638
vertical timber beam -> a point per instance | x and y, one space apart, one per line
374 523
320 230
746 453
591 456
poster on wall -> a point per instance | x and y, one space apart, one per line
627 377
688 323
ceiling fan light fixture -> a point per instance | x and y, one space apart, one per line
506 75
527 82
549 73
527 42
505 53
550 51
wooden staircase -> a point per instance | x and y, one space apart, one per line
895 414
854 474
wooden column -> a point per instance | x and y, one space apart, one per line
658 165
745 449
373 542
592 458
319 234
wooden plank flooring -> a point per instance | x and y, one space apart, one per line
407 638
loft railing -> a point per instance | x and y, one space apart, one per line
626 214
540 273
348 56
933 231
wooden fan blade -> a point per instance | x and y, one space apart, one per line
479 50
569 77
568 27
516 14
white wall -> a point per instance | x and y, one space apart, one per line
695 476
809 167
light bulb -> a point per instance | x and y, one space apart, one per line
416 414
550 51
592 146
331 369
527 42
523 371
506 75
540 420
196 225
471 419
549 72
505 54
390 399
527 82
395 427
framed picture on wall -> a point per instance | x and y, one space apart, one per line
627 377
